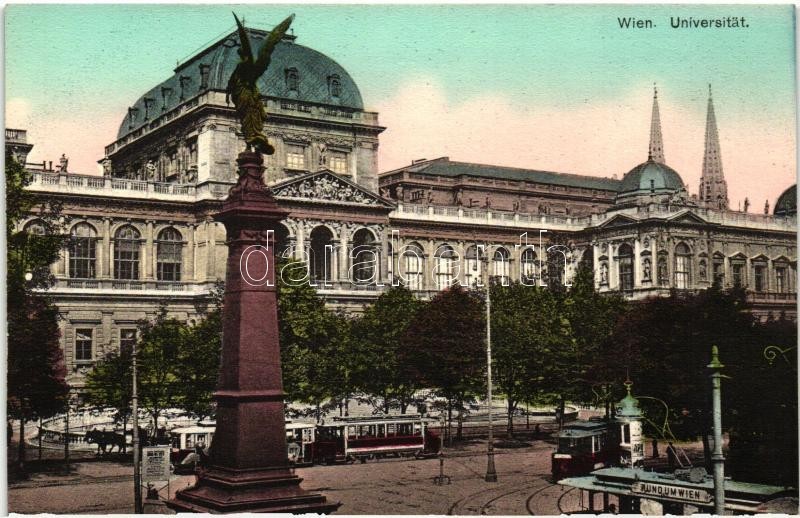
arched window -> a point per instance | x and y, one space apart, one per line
414 264
445 267
169 255
364 256
625 261
292 79
321 254
528 266
282 247
501 266
472 273
82 251
683 261
126 253
35 228
334 85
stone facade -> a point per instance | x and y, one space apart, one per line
144 232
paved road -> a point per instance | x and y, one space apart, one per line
390 486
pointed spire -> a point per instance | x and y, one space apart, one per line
656 152
713 188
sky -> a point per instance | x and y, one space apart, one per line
560 88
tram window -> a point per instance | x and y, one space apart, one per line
351 432
176 442
390 430
417 429
189 441
403 429
307 435
575 446
381 430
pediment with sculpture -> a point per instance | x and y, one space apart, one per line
327 187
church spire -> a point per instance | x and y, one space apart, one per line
713 188
656 152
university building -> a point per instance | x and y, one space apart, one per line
143 232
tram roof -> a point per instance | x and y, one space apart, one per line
370 420
194 429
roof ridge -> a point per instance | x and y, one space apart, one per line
534 170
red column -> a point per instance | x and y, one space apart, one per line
248 469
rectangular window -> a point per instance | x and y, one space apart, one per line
127 338
338 163
296 158
682 272
82 258
83 345
759 277
169 261
738 274
780 280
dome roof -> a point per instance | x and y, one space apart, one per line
650 176
787 202
315 74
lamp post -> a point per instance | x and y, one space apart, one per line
716 456
491 473
137 483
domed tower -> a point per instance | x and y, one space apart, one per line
653 180
786 205
184 130
629 416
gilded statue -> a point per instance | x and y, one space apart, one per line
242 88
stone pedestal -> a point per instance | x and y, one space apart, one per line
248 469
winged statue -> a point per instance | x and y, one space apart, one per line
242 88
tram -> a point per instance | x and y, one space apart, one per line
300 438
585 446
362 438
185 442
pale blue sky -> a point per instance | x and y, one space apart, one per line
90 62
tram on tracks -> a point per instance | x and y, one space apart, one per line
585 446
347 439
343 439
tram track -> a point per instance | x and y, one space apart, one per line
530 498
561 498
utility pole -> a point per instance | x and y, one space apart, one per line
491 474
66 435
716 457
137 483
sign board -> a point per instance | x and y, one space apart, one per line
684 494
155 463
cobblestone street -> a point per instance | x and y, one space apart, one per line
389 486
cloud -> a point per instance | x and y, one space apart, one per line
595 138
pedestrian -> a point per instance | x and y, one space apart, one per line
671 457
612 508
655 448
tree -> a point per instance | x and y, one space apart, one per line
528 331
36 372
110 384
378 335
197 368
157 359
446 342
308 333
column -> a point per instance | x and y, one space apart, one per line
383 260
189 253
106 251
148 255
637 263
211 245
596 265
344 255
300 240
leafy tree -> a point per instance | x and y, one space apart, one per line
197 368
528 333
36 373
110 384
157 358
385 361
447 345
308 336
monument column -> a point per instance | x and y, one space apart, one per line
248 468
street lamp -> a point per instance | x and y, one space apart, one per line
716 456
491 473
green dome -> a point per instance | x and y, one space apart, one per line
315 74
787 202
650 177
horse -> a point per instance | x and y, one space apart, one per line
103 439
